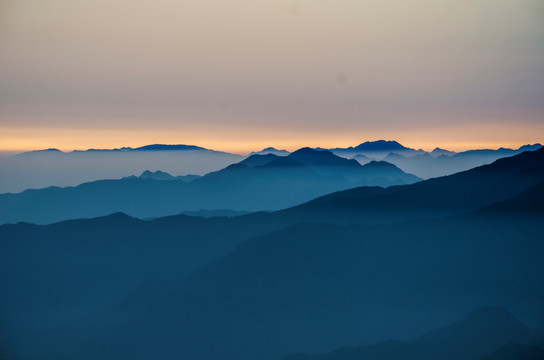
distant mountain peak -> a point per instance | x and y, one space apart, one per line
313 157
530 147
50 150
439 152
380 145
307 149
271 150
149 172
162 147
156 175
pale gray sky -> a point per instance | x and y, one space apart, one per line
237 75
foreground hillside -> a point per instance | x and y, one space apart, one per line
314 287
487 333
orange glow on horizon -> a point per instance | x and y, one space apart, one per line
14 140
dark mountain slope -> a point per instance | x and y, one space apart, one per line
480 333
384 174
57 273
314 287
527 204
258 160
515 351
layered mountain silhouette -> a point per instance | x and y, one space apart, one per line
487 333
438 162
426 165
161 175
313 287
469 190
274 285
260 182
153 147
350 268
39 169
53 274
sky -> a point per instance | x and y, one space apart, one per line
241 75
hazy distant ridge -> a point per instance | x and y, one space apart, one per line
259 182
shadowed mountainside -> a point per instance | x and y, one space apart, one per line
90 263
479 334
313 287
515 351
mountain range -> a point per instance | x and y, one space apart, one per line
259 182
52 167
447 195
162 176
438 162
334 271
377 149
154 147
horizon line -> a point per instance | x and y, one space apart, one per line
247 151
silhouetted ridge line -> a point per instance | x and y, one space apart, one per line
257 183
161 147
380 145
313 157
258 160
469 190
